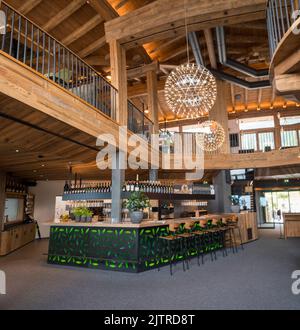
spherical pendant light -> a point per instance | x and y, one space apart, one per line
211 136
190 91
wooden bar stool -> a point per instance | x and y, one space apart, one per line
174 243
208 238
233 223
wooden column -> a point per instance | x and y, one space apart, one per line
277 133
119 79
219 113
2 199
153 99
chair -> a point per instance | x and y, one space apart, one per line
175 243
233 224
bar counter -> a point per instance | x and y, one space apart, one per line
115 246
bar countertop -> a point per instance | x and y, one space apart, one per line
128 224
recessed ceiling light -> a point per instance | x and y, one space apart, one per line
43 165
17 150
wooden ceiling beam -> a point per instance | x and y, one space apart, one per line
97 44
97 60
63 14
82 30
158 19
142 70
141 89
28 6
104 9
211 48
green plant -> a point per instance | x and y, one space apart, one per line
82 211
137 201
234 200
77 212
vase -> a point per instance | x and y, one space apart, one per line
83 218
77 218
136 216
89 219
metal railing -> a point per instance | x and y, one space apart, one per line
29 44
281 15
138 123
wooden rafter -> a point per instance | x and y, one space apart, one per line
28 6
97 44
63 14
82 30
210 47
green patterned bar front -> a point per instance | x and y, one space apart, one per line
120 249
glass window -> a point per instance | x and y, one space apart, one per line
289 138
289 120
256 123
191 128
294 201
266 140
249 141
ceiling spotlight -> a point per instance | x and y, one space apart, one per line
258 108
284 106
246 110
297 105
146 111
43 165
17 150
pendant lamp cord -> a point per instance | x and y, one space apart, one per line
186 32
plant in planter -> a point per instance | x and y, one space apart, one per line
77 212
235 204
136 203
87 214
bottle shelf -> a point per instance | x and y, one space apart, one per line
125 195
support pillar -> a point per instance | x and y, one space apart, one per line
222 203
219 113
277 133
119 81
153 99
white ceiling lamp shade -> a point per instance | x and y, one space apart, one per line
210 136
190 91
2 22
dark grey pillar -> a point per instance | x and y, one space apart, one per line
117 181
222 203
153 175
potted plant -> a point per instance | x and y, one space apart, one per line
88 215
235 204
77 212
136 203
